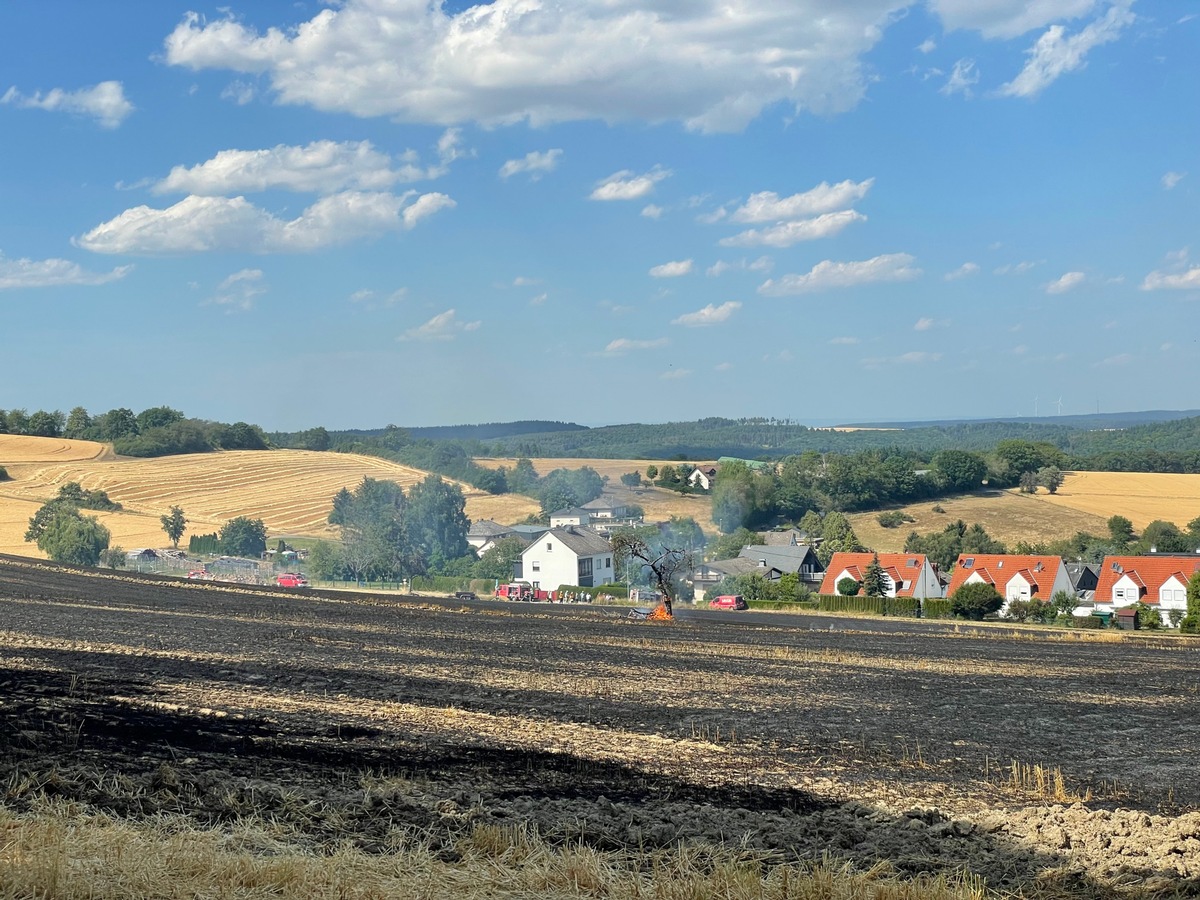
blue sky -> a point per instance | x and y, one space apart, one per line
400 211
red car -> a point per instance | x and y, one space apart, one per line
291 579
729 601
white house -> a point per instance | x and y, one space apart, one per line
1014 576
1159 580
572 515
572 555
703 477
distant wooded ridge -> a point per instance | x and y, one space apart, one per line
484 432
1086 420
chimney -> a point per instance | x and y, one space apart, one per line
762 563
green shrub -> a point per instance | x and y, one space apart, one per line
894 606
448 584
937 609
894 518
976 600
849 587
204 543
1087 622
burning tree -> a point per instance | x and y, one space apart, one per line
667 564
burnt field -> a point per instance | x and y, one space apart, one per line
353 718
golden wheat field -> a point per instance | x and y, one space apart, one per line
16 449
290 490
1141 497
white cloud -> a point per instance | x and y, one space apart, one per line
911 358
240 92
1065 283
626 345
963 77
963 271
237 292
514 60
104 102
1056 53
624 185
539 300
1171 179
672 269
534 163
445 326
844 341
652 211
29 273
1008 18
785 234
723 367
525 281
927 46
830 274
200 224
1172 281
767 206
709 315
321 167
1121 359
371 300
673 374
923 324
1014 268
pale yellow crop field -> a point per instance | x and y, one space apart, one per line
16 449
290 490
1140 497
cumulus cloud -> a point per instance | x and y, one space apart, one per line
785 234
652 211
237 292
445 326
1172 281
963 271
30 273
1171 179
534 163
709 315
625 185
514 60
321 167
104 102
1065 283
672 269
200 224
621 346
1057 53
927 46
962 78
923 324
830 274
767 206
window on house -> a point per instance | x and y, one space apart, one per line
537 567
549 546
608 562
1118 593
968 562
585 567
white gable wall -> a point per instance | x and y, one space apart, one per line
548 563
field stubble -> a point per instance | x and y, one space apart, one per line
356 724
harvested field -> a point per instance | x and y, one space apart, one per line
290 490
319 724
1008 516
16 449
1141 497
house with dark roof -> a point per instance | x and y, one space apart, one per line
768 562
571 515
484 533
1159 580
905 574
572 555
703 476
1014 576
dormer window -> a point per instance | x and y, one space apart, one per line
968 562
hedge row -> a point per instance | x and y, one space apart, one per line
937 609
1094 622
895 606
613 590
448 584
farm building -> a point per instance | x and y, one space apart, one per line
906 574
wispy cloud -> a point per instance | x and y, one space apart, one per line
104 102
625 185
923 324
1014 268
830 274
1171 179
1067 281
844 341
652 211
445 326
30 273
709 315
912 358
534 163
621 346
237 292
767 206
1057 53
785 234
672 269
675 374
965 270
962 79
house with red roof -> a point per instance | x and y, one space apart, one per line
1159 580
906 574
1014 576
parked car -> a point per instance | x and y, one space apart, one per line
291 579
729 601
465 595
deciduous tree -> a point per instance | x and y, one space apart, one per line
174 525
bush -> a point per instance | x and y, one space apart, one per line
1087 622
849 587
976 600
204 543
3 474
894 518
